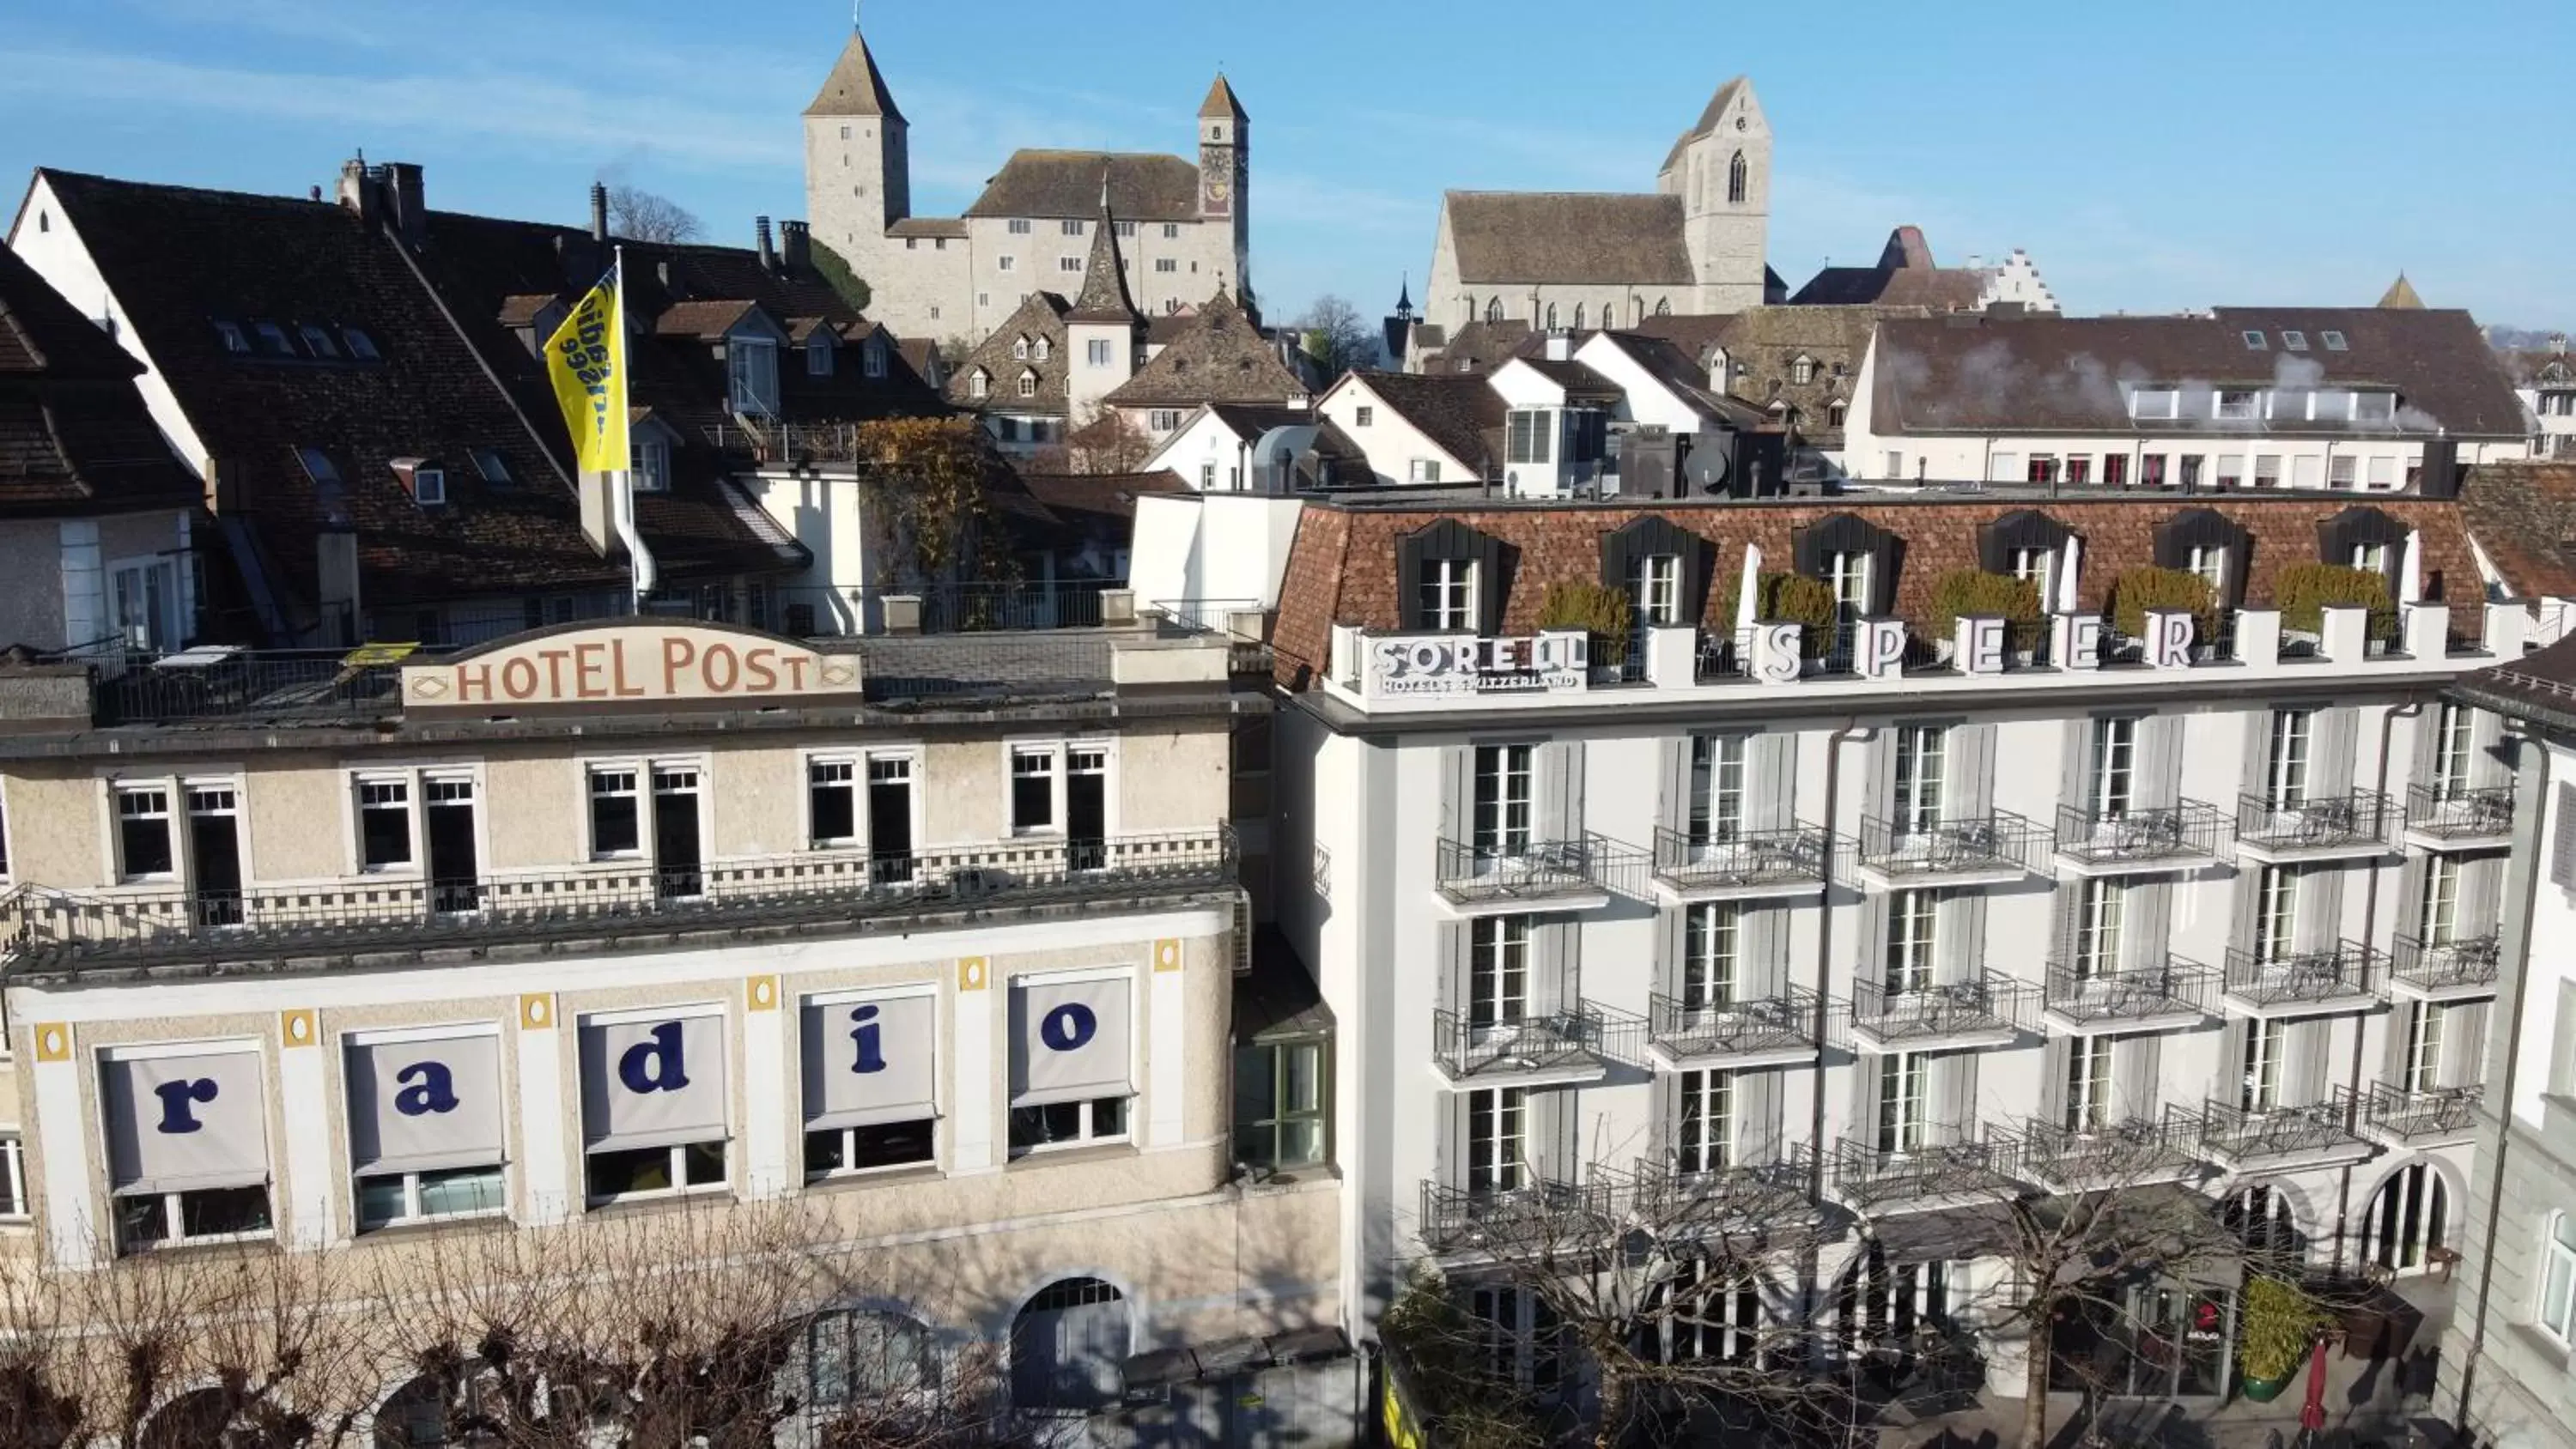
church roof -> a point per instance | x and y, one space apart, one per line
1066 184
1224 359
1220 101
855 87
2401 293
1568 238
1709 116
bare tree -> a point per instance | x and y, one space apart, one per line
643 216
1107 442
1337 336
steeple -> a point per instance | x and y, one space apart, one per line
1220 102
1105 297
2401 295
855 88
1404 300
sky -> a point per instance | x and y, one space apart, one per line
2184 155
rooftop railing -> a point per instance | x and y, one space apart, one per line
2464 965
1994 841
1582 1035
2422 1115
2459 812
1988 1003
1748 859
2129 993
2319 822
2328 975
1710 1028
2243 1135
220 682
1866 1176
2141 835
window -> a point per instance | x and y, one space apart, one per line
1497 1140
1530 432
2333 341
2276 913
1166 264
2231 470
1098 351
978 383
855 1357
1655 590
1071 1072
616 818
2043 468
1920 765
2423 1064
1502 803
1900 1102
1912 918
1171 231
818 356
317 341
429 487
2558 1279
2295 341
2438 919
1019 226
2454 733
230 334
2372 557
2286 770
1712 940
384 824
751 372
1447 590
1848 575
2267 470
1126 228
424 1127
2260 1048
1034 780
2115 470
654 1091
146 848
1068 264
1069 228
1020 349
1551 317
1494 310
1028 384
1716 788
2088 1085
2374 407
2340 470
1279 1112
491 469
1735 180
1207 477
13 1177
650 458
187 1146
2100 906
831 803
1704 1122
1423 470
2151 470
2036 567
2114 756
1802 371
2254 342
2210 562
273 339
1006 263
2383 472
1041 349
1498 967
1836 413
869 1069
144 593
2234 405
2329 405
1364 416
2153 404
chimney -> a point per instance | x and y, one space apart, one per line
599 211
795 246
768 253
316 193
1560 346
407 201
356 191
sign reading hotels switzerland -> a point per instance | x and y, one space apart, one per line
642 661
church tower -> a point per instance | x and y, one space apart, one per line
858 158
1721 168
1225 176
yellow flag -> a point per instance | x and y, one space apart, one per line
586 358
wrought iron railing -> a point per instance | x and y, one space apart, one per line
1532 1216
2318 822
1759 1198
2130 993
1529 868
2430 1112
2124 1152
2345 969
1689 1028
2145 835
2459 812
2248 1133
1930 850
1795 856
820 887
2446 965
1469 1043
1986 1003
222 683
1867 1176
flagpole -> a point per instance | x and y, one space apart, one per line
618 400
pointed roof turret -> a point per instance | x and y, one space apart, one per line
855 88
1404 298
1221 102
2401 294
1105 297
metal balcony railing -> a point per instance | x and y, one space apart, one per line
1797 856
1866 1176
1533 1216
2141 835
2453 965
2434 1112
1709 1028
1998 840
1529 869
1582 1035
1989 1002
2242 1135
2459 812
2319 822
1745 1197
819 888
2126 1152
2133 993
2334 973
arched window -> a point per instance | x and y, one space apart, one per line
1735 179
1578 316
1069 1345
1551 316
865 1355
1028 384
2558 1279
1494 310
2409 1217
1663 306
2260 1218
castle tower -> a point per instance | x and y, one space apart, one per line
1225 176
858 157
1721 168
1103 331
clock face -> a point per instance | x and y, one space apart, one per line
1216 179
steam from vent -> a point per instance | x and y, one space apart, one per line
2293 373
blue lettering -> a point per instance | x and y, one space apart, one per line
871 1053
1069 1027
178 1103
654 1066
434 1092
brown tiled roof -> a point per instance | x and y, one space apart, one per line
1567 238
1106 495
1709 116
1041 315
1454 411
933 226
521 309
1981 373
1220 101
1904 276
855 87
75 437
2539 685
1104 296
1483 346
2533 366
1342 565
1673 366
707 321
1066 184
1576 378
1164 330
1223 358
1763 346
2524 516
42 334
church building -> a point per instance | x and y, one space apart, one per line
1184 229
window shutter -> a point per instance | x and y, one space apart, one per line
1874 912
1672 939
2490 753
2146 923
1410 556
1615 554
1555 1120
1764 934
2464 1052
2320 923
1757 1113
2308 1059
1973 747
1959 926
1457 946
2249 899
1560 790
2392 1042
1457 792
2332 747
1490 585
1880 800
2136 1062
1771 769
1672 808
2258 752
2562 845
1666 1107
2411 876
2159 762
1697 563
2055 1054
1449 1139
1954 1096
1807 547
1886 555
2482 894
2075 765
2070 922
1553 987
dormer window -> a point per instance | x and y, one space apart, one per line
231 335
979 383
1028 384
1802 371
361 346
2374 407
429 487
494 472
650 463
872 359
1835 413
317 341
273 337
1020 349
2235 405
1039 349
751 372
818 355
2333 340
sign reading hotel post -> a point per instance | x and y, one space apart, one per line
638 661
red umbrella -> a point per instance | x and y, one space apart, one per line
2312 1415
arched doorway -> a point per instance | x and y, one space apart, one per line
2409 1219
2261 1217
1069 1346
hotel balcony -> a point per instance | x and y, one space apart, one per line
2460 970
1748 865
1552 875
2428 1118
1767 1201
1539 1216
1987 1011
1997 848
2141 840
1538 1049
813 892
2336 979
1770 1031
2350 826
2166 997
1866 1179
2458 817
2128 1153
2273 1139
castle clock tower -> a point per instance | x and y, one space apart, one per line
1225 174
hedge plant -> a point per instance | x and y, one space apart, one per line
1598 610
2302 591
2280 1326
1974 591
2141 589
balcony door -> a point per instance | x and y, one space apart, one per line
1903 1082
1504 802
455 864
2115 756
1498 977
1716 791
1497 1140
2286 769
1704 1123
1921 763
214 853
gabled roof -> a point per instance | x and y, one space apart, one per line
1223 358
2523 515
1673 366
855 87
75 437
1039 315
1904 276
41 334
1709 116
1569 238
1482 346
1066 184
1578 381
706 321
1104 295
1220 101
1455 411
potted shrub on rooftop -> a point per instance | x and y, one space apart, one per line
2140 589
2303 590
1787 599
1964 592
2274 1335
1603 613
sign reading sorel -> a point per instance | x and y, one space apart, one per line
1457 664
643 660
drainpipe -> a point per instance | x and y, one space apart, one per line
2530 803
1850 733
2412 709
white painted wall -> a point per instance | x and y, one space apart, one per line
1394 446
1212 547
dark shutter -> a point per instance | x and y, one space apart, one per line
2194 528
1649 536
1490 585
2019 529
2562 845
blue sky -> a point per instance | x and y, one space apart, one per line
2149 158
